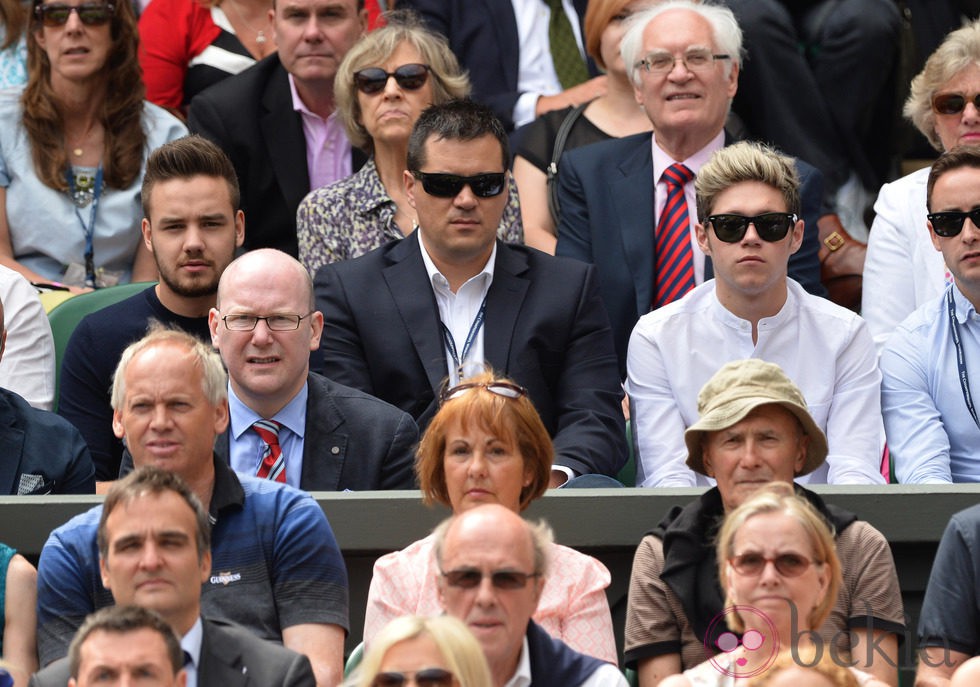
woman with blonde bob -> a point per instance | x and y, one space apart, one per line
437 652
487 444
384 83
778 564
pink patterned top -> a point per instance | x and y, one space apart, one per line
573 604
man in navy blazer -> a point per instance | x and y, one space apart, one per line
259 117
608 198
155 553
333 438
40 452
400 319
485 37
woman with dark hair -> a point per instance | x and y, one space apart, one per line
487 444
73 147
13 46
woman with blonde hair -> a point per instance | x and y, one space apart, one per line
777 562
435 652
487 444
381 88
73 149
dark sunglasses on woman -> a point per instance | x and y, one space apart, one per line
90 13
409 77
427 677
953 103
771 226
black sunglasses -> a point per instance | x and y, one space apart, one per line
372 80
449 185
950 224
427 677
953 103
771 226
467 578
787 564
90 13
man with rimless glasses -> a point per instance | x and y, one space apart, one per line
753 427
491 573
401 319
929 364
286 423
748 204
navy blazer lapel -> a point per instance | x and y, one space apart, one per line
220 662
504 301
633 189
324 445
410 289
282 131
11 448
505 26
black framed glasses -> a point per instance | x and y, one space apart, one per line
771 226
277 323
694 59
409 77
950 224
90 13
505 389
953 103
450 185
753 563
427 677
470 578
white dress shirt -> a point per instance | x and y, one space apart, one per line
606 675
27 366
824 348
191 644
536 75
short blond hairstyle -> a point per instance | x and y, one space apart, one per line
960 49
214 379
512 419
780 497
746 161
462 654
448 80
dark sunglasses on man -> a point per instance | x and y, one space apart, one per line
771 226
409 77
89 13
950 224
450 185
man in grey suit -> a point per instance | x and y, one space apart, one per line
154 551
324 436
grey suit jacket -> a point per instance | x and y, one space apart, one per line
353 441
231 656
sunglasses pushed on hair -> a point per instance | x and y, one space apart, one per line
505 389
771 226
953 103
89 13
409 77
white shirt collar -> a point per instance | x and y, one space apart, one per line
522 676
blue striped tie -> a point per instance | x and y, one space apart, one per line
674 258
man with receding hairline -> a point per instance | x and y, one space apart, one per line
331 437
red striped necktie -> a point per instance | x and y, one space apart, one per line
674 258
273 465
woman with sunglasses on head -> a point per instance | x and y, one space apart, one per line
902 269
381 88
778 566
612 115
427 652
487 444
73 148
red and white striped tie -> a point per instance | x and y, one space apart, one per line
273 465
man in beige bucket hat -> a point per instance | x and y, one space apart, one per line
753 428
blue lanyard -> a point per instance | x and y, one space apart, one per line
88 229
960 355
468 344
